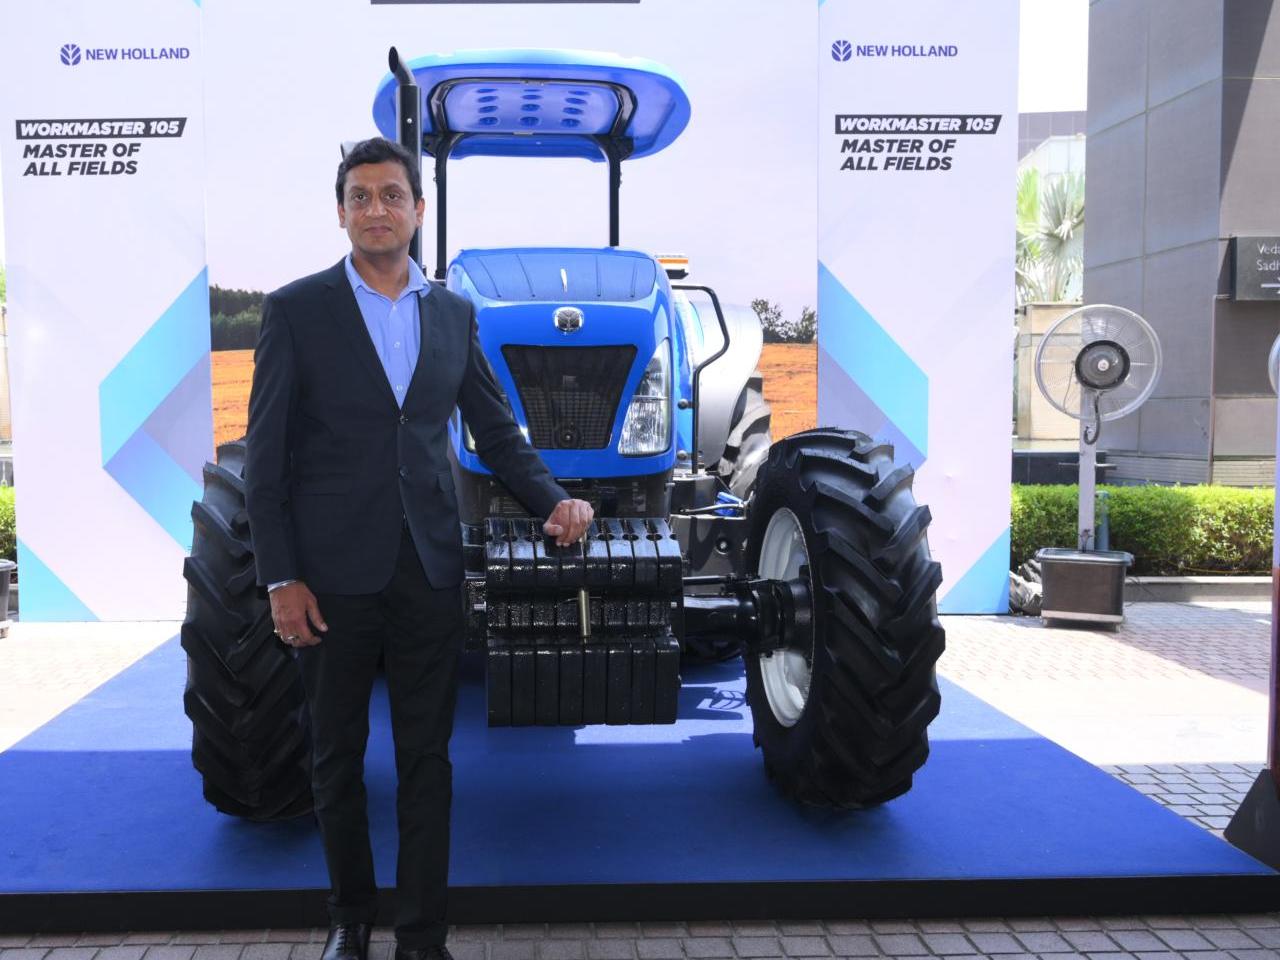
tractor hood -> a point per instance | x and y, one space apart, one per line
622 295
578 322
560 274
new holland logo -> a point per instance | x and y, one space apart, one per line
568 319
72 53
843 50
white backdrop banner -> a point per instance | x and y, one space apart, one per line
102 153
917 151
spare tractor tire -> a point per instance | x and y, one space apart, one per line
747 444
251 732
843 722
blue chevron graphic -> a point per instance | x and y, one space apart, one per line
843 402
44 596
880 390
984 587
147 404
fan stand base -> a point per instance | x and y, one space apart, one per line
1083 585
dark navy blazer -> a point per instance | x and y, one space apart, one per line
334 467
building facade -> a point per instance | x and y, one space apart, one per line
1183 137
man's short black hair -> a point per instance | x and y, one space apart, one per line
380 150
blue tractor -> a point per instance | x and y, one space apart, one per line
806 556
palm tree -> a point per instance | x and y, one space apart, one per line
1050 236
1027 252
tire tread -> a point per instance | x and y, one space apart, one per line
244 696
875 615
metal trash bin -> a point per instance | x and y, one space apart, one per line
1083 584
6 572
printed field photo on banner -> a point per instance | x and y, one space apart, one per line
728 194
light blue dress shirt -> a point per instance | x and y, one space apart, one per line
392 325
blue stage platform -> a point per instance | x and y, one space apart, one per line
102 808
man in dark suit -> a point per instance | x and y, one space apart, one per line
355 528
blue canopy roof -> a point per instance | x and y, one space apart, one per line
543 103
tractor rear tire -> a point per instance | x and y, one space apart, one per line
747 444
251 737
854 731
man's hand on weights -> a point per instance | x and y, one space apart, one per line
568 521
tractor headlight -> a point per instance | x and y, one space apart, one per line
647 427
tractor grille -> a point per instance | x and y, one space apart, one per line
569 394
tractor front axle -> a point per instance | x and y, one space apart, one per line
762 615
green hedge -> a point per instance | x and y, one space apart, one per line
8 529
1184 530
1169 530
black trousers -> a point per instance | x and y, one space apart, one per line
420 629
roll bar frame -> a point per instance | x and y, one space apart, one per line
615 145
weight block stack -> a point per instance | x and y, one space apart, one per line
540 668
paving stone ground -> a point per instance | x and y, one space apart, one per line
1206 793
49 666
1173 704
1224 937
1177 683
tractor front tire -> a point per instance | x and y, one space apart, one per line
845 723
251 732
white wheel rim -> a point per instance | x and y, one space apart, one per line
785 674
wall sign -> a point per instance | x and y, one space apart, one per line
1255 268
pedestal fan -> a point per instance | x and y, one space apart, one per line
1096 364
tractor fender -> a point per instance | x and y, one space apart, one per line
722 380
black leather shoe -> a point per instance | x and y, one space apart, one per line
423 953
347 941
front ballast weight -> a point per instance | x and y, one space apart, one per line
547 663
